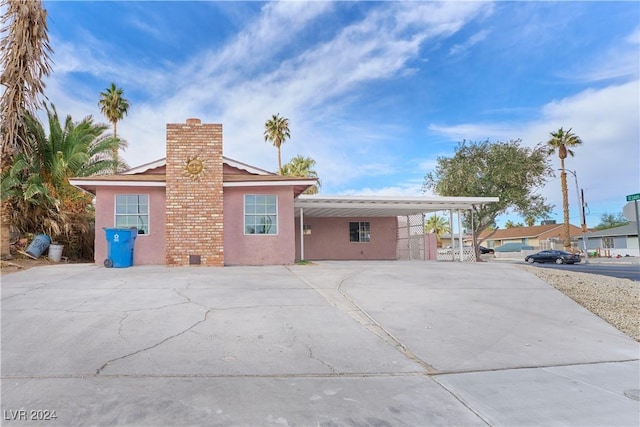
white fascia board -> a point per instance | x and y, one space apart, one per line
266 183
79 183
146 167
239 165
382 206
407 199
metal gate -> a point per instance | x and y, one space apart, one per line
411 238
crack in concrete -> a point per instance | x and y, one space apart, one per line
327 364
48 284
266 305
73 309
190 301
463 402
267 376
362 317
121 325
108 362
25 292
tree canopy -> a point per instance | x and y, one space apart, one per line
501 169
438 225
36 189
303 167
608 220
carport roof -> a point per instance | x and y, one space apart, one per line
382 206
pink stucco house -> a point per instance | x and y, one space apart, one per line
197 207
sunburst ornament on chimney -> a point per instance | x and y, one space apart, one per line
194 168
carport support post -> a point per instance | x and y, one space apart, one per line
409 237
453 238
460 235
301 234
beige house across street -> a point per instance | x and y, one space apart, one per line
544 236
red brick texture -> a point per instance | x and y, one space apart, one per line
194 200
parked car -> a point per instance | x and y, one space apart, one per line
484 250
513 247
559 257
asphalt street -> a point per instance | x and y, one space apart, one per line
621 271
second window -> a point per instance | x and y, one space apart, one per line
359 232
260 214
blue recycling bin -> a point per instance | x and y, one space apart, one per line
120 243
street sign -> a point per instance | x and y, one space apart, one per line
632 197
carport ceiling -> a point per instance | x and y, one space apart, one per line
381 206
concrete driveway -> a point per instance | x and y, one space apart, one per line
334 343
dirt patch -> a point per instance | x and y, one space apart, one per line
21 263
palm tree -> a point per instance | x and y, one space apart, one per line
530 221
563 141
437 225
303 167
25 61
114 106
276 130
36 187
511 224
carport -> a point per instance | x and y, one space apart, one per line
413 209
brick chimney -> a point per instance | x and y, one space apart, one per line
194 194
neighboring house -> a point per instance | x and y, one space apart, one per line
617 241
539 236
198 207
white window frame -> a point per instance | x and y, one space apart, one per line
362 232
256 214
148 214
608 243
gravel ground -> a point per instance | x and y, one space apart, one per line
615 300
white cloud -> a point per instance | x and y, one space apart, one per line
459 49
240 84
405 189
606 119
621 60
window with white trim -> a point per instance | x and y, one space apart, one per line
360 232
260 214
132 210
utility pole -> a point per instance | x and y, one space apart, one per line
583 221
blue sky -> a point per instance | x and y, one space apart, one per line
374 91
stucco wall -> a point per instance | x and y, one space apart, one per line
329 239
149 248
258 249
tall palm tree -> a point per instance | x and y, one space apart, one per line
438 225
114 106
25 61
302 166
276 130
562 141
